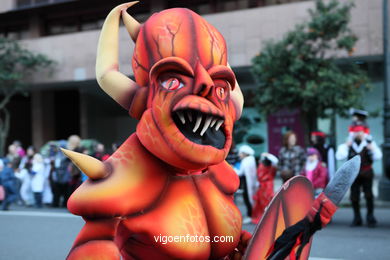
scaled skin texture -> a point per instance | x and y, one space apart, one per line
169 178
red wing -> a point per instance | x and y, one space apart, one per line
290 205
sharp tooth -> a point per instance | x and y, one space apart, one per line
206 125
213 122
189 114
197 123
181 116
220 122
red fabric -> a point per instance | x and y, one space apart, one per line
358 128
265 193
328 208
318 134
320 176
366 167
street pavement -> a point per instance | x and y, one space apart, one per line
32 234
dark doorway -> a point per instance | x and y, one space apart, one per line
20 121
67 113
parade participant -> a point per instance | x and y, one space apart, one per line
38 179
359 118
369 152
265 176
8 181
169 179
291 157
315 171
247 174
318 141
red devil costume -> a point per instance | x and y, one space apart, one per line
169 178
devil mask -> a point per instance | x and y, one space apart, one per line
185 94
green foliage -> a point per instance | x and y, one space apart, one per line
16 64
300 70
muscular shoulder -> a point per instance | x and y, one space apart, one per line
135 180
224 177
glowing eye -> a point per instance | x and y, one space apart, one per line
172 84
221 93
221 89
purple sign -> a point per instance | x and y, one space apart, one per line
281 122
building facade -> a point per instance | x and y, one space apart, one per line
68 100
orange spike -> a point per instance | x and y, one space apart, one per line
92 167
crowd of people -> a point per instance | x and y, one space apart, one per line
316 162
35 179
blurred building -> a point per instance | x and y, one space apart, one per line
70 101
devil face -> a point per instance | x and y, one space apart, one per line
189 86
186 97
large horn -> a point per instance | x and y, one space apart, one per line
131 24
120 87
237 98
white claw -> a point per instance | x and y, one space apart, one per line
220 122
206 125
189 114
197 123
213 122
181 116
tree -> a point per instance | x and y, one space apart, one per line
300 70
16 65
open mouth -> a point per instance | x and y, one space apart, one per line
201 128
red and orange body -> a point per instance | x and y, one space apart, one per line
169 178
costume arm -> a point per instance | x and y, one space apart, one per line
342 152
294 239
95 241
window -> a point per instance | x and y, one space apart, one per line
31 3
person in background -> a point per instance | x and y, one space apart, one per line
232 158
74 144
8 181
265 176
19 149
315 171
23 175
359 118
247 174
292 157
100 153
369 152
25 190
13 156
37 173
59 177
318 141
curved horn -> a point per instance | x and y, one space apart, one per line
92 167
131 24
237 98
117 85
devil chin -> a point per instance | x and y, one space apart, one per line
169 182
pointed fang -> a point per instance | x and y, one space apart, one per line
181 116
189 114
213 122
197 123
206 125
220 122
